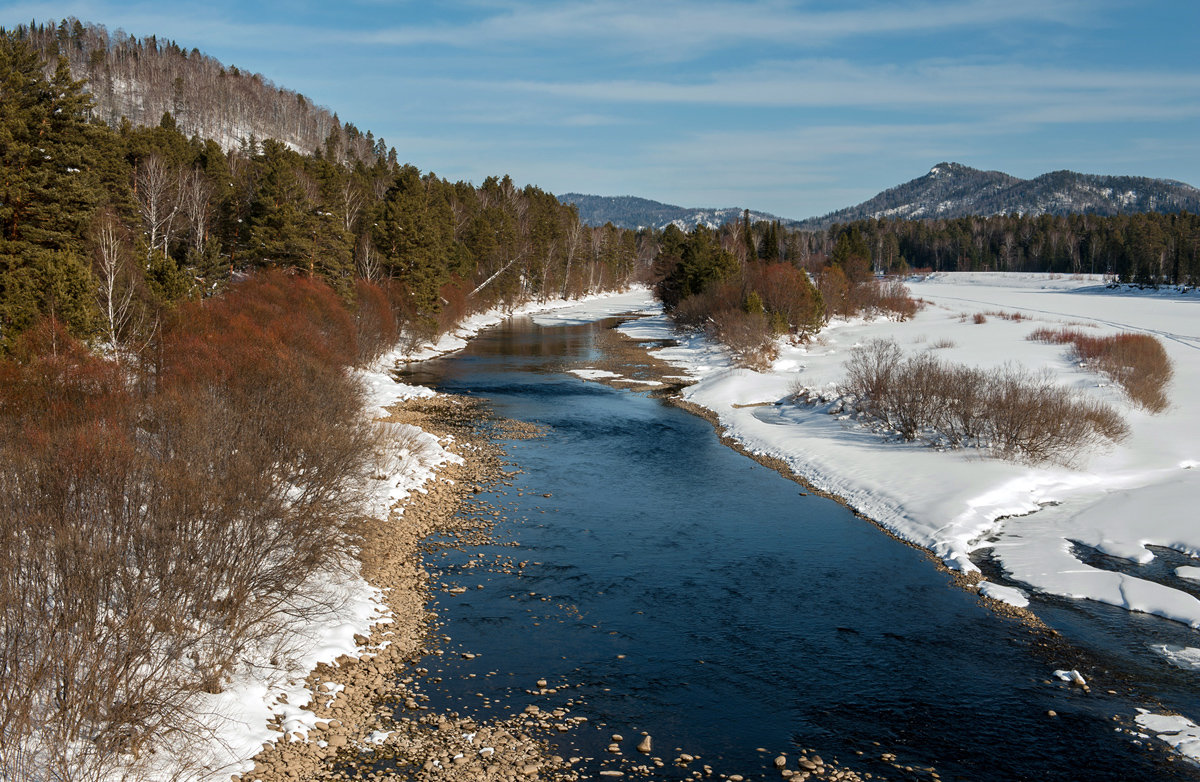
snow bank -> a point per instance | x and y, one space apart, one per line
1040 522
955 502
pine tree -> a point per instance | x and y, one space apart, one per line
48 194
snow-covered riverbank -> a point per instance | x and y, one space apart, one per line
1037 520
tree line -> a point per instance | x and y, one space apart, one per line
1145 249
742 283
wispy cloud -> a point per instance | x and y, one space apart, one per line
683 30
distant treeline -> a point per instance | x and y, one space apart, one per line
1147 249
105 229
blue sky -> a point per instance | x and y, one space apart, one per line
794 108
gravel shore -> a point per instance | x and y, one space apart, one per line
373 723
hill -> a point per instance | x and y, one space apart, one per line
953 190
140 80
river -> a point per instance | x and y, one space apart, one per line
675 587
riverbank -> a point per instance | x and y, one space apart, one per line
370 717
1037 524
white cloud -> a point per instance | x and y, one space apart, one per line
683 30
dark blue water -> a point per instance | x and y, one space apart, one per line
673 586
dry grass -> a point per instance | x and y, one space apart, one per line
1138 362
979 319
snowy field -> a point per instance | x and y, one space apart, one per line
1120 501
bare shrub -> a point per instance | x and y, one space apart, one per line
374 323
870 371
748 335
979 319
895 299
1138 362
941 344
1031 417
835 292
1017 414
154 533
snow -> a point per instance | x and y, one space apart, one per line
1071 677
1005 594
593 374
1185 657
1038 521
1180 732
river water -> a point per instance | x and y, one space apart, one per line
675 587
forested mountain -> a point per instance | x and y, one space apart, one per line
141 79
634 213
952 190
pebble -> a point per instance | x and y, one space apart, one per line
644 746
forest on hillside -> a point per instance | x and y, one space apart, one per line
106 229
138 80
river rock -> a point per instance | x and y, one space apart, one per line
644 746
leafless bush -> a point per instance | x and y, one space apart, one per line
154 533
941 344
1031 417
1138 362
748 335
979 319
693 312
895 299
870 371
1017 414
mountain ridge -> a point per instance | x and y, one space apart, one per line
948 190
635 212
951 190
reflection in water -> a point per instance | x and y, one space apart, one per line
675 587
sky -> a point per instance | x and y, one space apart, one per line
792 108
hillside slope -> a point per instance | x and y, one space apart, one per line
140 80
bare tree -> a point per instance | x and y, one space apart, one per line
158 200
366 258
195 193
351 199
115 274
